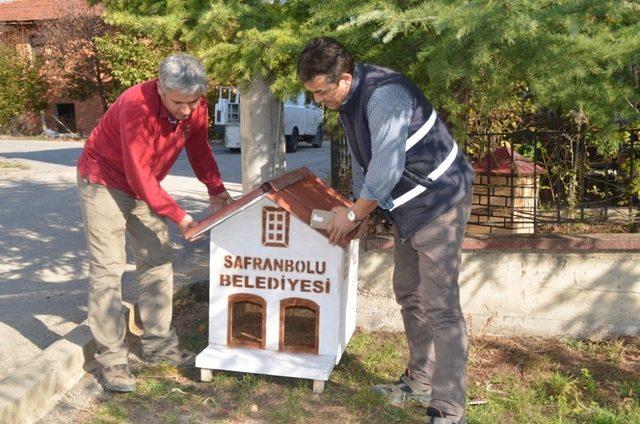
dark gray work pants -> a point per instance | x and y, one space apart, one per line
425 282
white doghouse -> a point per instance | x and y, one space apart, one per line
282 300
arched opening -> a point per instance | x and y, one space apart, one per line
299 325
247 318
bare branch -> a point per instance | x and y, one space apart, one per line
72 65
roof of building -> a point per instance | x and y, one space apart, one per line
500 162
298 192
39 10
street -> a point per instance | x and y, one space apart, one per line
43 284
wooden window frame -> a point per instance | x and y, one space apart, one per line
305 303
251 298
268 241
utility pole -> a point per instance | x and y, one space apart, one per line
261 135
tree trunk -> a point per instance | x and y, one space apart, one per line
261 135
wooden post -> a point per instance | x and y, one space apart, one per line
318 386
205 374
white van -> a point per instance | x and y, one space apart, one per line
302 120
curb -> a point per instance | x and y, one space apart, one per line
26 394
30 392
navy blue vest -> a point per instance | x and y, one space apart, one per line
437 173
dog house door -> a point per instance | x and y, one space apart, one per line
247 318
299 324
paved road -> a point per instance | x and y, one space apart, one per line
43 285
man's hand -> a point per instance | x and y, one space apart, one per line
340 225
362 228
219 200
186 223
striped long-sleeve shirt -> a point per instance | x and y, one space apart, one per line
389 114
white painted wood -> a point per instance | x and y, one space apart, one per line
318 386
273 326
241 236
351 295
258 361
206 374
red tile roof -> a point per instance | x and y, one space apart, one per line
499 162
38 10
298 192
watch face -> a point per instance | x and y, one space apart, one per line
351 216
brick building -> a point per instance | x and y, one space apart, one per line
19 26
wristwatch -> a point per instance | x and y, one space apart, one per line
351 216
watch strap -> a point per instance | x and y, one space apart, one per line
355 219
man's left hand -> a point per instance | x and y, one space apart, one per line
340 225
219 200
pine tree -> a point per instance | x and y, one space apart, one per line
475 59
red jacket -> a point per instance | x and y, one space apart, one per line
135 145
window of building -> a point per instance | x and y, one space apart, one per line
299 325
247 319
66 117
275 227
36 41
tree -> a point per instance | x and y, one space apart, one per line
21 87
236 40
473 58
130 59
86 57
73 64
571 56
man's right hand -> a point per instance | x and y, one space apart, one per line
362 228
186 223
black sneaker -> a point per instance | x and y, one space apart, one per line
402 391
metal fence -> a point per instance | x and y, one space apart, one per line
573 182
340 164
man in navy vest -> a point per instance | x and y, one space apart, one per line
406 162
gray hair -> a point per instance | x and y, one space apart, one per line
182 72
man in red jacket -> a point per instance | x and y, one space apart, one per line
119 172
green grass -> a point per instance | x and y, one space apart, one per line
560 389
510 381
110 414
292 409
613 349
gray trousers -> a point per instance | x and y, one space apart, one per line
108 214
425 282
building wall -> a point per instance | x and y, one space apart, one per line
87 113
18 36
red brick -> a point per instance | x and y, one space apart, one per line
39 10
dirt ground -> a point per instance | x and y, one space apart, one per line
590 372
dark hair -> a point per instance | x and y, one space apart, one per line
324 56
